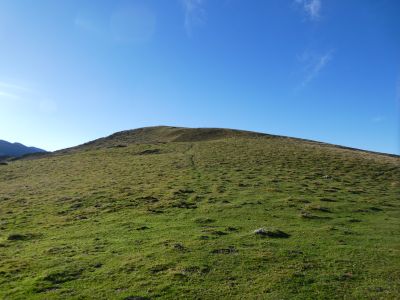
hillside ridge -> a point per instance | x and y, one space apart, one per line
167 134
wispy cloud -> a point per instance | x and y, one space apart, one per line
195 14
16 94
8 95
9 91
313 64
12 86
311 7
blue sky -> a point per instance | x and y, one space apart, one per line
72 71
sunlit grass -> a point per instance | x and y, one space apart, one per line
177 220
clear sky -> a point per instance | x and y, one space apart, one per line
73 70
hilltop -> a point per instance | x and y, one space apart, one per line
163 134
177 213
170 134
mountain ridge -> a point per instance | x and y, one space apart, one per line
8 149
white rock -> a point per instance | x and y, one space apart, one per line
260 231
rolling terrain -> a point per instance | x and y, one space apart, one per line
179 213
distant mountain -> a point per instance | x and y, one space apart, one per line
8 149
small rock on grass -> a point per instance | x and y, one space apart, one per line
18 237
273 233
260 231
142 228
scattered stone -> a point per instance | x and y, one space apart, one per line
346 276
196 270
18 237
183 191
179 247
308 215
305 201
190 270
76 205
204 221
260 231
218 232
232 229
147 199
159 268
62 276
184 204
294 253
377 289
354 220
320 208
150 151
155 211
271 233
373 208
229 250
142 228
327 200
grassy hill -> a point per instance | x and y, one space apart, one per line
170 213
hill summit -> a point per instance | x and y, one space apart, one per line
167 134
170 134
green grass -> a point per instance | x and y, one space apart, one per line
178 222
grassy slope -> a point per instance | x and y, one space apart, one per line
178 223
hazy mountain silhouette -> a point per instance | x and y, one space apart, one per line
8 149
